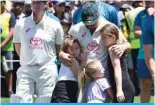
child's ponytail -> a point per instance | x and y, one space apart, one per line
82 80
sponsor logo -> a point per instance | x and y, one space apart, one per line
28 29
35 41
83 34
93 46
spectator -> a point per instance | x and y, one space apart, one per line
18 9
148 45
143 72
138 6
27 8
7 26
37 41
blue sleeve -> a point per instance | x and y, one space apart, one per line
113 17
137 21
148 34
77 16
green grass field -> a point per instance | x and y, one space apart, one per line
136 100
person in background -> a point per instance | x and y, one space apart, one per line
27 8
18 9
148 45
37 41
50 13
138 6
143 72
7 22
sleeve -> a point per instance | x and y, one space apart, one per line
114 18
137 21
72 31
59 35
12 21
104 84
17 34
148 35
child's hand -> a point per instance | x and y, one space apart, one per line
120 96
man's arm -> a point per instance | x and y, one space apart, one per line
57 49
17 48
8 38
138 32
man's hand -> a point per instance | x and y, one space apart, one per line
75 67
66 58
117 50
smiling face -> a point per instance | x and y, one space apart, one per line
74 49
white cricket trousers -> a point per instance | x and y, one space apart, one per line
36 79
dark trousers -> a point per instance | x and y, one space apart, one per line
65 92
135 81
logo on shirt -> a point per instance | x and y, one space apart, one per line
93 46
35 41
83 34
28 29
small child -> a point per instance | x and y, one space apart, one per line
66 89
94 85
119 77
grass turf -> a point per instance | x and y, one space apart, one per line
136 99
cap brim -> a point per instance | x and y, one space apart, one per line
90 22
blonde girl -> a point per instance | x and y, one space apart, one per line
119 77
94 85
66 89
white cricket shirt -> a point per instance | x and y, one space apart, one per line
38 40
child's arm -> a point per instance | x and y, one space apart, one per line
110 93
75 67
118 76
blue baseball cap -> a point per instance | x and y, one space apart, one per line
90 13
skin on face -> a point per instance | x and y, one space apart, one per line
37 6
74 49
99 73
108 40
92 27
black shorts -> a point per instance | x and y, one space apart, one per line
65 92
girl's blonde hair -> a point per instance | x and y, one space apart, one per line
68 39
86 75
